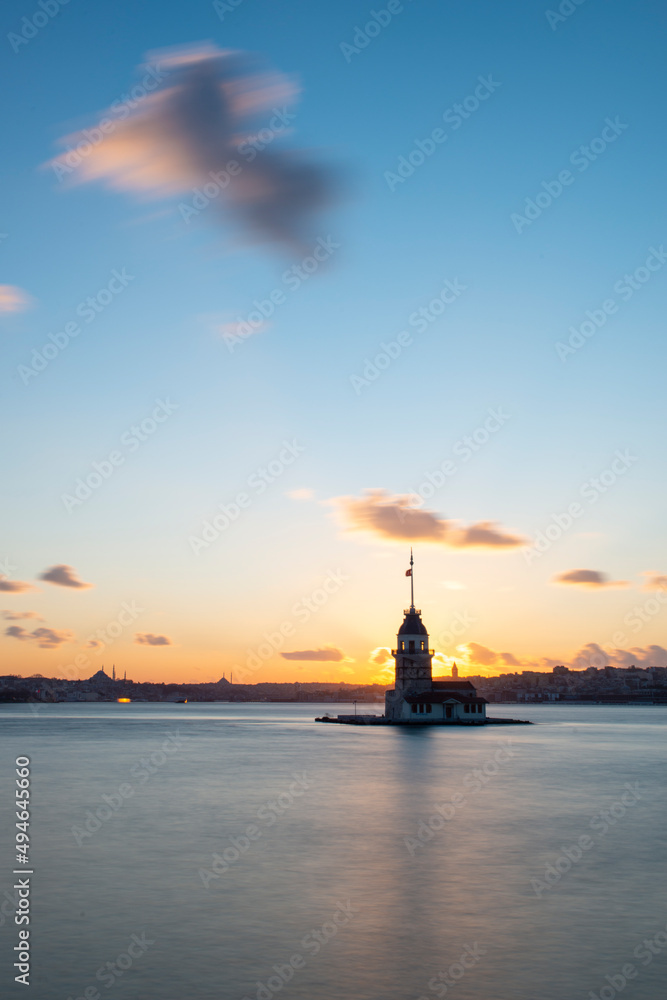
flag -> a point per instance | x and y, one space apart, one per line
408 572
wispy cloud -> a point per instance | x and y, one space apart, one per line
13 299
381 655
590 578
45 638
215 108
150 639
17 616
64 576
301 494
329 653
15 586
394 518
654 581
593 655
481 654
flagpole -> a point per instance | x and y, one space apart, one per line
412 583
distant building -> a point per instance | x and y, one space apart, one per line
416 697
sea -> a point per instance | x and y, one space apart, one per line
246 851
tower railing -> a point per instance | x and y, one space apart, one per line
414 652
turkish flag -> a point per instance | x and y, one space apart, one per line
408 572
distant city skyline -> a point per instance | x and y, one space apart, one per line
399 281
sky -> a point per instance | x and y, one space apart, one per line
428 312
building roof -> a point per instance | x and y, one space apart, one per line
412 624
99 677
440 697
465 687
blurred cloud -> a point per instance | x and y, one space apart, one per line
481 654
14 586
13 299
17 632
236 331
593 655
381 655
395 517
654 581
64 576
45 638
592 578
301 494
472 655
211 126
327 654
149 639
17 616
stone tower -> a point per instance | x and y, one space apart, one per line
412 656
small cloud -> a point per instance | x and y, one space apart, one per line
592 578
45 638
381 655
93 644
329 653
654 581
235 333
302 494
14 586
395 518
13 299
509 660
149 639
17 632
481 654
17 616
51 638
64 576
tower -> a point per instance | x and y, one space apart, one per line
413 658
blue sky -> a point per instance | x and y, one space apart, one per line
555 88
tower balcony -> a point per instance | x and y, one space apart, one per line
414 652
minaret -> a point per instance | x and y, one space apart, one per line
412 654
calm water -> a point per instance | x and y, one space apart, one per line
342 857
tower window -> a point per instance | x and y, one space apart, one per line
402 644
428 707
422 645
411 647
414 708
